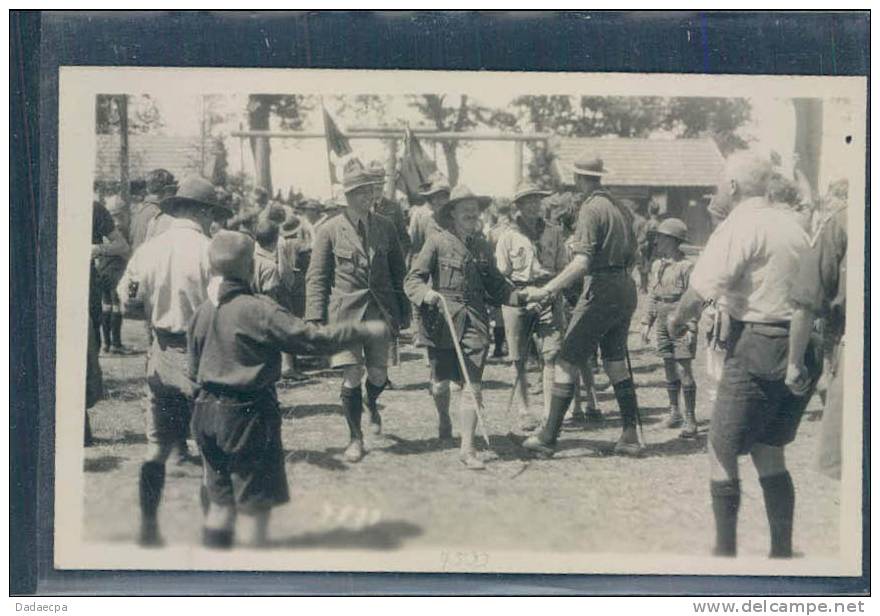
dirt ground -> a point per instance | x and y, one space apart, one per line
411 491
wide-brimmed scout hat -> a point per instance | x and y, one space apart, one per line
437 183
590 164
673 227
463 193
355 175
310 205
159 180
199 191
527 189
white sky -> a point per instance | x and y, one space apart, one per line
485 166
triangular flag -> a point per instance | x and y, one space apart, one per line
416 168
338 142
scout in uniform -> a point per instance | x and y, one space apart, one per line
604 253
160 184
502 223
456 264
356 273
749 265
423 222
388 208
294 252
172 273
109 252
668 282
529 253
266 280
234 357
819 291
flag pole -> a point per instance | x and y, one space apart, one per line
331 168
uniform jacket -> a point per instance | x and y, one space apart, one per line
531 255
466 276
667 283
345 276
604 232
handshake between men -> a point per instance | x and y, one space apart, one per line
533 297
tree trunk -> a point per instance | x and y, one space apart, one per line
258 119
808 140
124 179
450 153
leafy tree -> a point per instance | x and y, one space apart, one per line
718 118
290 111
143 114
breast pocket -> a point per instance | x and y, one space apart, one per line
518 258
346 260
451 274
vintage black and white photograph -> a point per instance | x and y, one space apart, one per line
459 322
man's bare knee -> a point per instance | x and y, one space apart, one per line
352 376
158 452
377 375
617 370
439 388
768 460
564 371
722 466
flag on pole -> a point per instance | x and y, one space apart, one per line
415 168
337 144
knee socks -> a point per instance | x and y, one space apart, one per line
625 393
779 502
725 505
373 393
672 389
562 394
352 407
152 481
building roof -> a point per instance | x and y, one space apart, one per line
179 155
645 162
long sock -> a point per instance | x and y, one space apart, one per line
373 393
689 392
672 389
559 402
106 317
152 481
625 393
116 329
779 502
220 538
441 401
725 505
352 407
499 339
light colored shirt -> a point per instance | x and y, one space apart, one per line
172 271
524 261
750 261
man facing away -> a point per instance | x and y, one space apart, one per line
172 272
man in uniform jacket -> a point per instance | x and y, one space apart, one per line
356 273
456 265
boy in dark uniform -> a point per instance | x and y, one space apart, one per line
456 264
356 273
604 250
670 273
234 350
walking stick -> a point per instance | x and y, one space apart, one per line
638 410
464 373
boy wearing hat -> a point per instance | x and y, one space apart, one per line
604 250
502 223
159 184
171 273
456 265
356 273
266 280
234 357
388 208
293 253
669 277
530 252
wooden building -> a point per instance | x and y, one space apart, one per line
679 175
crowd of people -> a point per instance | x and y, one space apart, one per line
234 291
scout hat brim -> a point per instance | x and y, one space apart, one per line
592 172
169 204
528 193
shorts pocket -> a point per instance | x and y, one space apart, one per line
763 351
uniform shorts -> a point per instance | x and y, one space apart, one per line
753 405
601 318
376 353
520 325
240 442
669 346
169 391
444 362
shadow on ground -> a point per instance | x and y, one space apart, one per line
104 464
300 411
326 459
382 536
